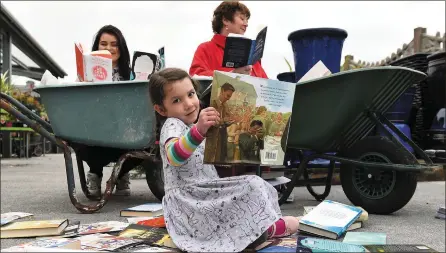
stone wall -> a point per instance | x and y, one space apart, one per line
421 43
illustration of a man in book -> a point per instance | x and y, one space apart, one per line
250 142
219 134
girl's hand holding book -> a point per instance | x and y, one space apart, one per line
208 117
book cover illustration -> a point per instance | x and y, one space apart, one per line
153 235
145 64
144 247
241 51
95 66
102 227
105 242
53 243
330 216
286 244
253 113
12 216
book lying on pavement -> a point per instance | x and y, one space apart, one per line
145 210
102 227
284 244
105 242
152 235
309 244
34 228
399 248
356 225
72 230
329 219
58 243
145 247
441 213
365 238
364 215
12 216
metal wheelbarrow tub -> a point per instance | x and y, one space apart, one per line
332 112
105 114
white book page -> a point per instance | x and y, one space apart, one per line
317 71
326 214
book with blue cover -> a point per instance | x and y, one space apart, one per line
309 245
329 219
365 238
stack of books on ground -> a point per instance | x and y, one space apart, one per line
356 243
441 214
139 234
328 227
331 219
358 223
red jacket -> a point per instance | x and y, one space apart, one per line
209 57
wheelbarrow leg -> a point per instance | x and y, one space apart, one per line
320 197
290 185
109 185
80 168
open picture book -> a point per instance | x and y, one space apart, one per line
253 112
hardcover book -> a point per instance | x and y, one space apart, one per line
253 113
241 51
329 219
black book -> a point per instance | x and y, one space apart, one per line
242 51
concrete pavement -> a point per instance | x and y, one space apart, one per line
39 186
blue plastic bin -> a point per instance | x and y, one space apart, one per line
315 44
400 111
406 131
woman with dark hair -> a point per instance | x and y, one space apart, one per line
229 17
109 38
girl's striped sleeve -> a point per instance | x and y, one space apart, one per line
178 150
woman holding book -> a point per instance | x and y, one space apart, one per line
109 38
229 17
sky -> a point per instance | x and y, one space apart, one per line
375 29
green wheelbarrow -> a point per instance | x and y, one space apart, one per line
334 118
339 114
332 114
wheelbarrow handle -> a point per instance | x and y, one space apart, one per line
23 109
37 127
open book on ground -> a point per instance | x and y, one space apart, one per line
12 216
253 112
241 51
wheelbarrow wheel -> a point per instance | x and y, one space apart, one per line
378 191
154 177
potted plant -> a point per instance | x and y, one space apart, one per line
287 76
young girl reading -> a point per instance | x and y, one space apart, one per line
205 213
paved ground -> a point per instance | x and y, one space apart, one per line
38 186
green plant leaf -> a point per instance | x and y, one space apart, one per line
288 63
